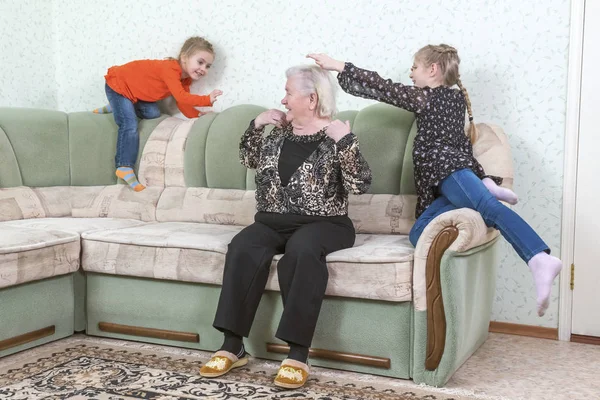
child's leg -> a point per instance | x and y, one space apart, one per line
464 189
500 193
439 206
147 110
127 139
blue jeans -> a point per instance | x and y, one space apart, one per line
125 114
463 189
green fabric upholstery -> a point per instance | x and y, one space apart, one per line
37 305
196 305
10 175
40 141
407 180
92 145
468 284
223 168
195 152
383 132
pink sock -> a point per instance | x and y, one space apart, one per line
500 193
544 269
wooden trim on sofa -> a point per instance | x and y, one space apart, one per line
27 337
524 330
436 319
149 332
361 359
585 339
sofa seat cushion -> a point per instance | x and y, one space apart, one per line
377 267
29 254
76 225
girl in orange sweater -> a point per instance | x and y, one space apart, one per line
134 88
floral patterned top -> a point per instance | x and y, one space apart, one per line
319 187
441 146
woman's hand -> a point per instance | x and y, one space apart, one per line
326 62
337 129
270 117
214 94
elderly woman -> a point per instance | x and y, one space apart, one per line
305 169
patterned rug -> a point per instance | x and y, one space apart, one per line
95 369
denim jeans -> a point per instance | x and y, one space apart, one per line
125 113
463 189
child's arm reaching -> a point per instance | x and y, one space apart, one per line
191 111
185 100
368 84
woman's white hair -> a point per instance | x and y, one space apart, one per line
314 79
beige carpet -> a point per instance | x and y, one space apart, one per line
88 368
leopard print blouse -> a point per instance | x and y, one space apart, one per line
319 187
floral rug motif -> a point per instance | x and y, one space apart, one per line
77 371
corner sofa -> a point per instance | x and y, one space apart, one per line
81 252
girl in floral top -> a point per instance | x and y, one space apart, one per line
447 175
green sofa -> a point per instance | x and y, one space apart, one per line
81 252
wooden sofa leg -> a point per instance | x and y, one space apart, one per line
436 319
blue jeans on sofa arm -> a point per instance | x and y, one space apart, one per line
463 189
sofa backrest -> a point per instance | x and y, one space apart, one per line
181 160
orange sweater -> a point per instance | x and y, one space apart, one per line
153 80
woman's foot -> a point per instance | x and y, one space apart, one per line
544 269
221 363
502 194
292 374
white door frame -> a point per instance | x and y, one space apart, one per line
570 166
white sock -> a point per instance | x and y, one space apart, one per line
501 193
544 268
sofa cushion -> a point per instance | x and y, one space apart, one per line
28 254
179 251
205 205
114 201
370 213
77 225
161 163
24 202
378 267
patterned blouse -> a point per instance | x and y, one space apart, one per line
319 187
441 146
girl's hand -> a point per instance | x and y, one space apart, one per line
270 117
214 94
337 129
326 62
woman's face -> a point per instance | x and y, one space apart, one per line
297 103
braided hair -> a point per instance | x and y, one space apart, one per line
446 57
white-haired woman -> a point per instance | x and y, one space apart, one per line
305 169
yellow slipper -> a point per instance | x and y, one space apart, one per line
292 374
221 363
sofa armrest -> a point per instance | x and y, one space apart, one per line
456 231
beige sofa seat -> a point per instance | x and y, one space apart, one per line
29 254
377 267
77 225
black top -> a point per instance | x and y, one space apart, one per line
293 155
